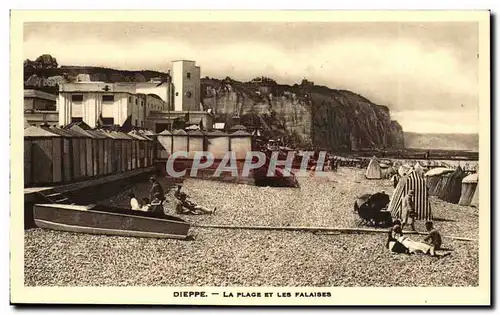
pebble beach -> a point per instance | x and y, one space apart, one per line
223 257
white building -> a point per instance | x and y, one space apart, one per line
186 82
113 102
117 103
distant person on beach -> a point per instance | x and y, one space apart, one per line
408 212
395 180
186 206
434 237
134 203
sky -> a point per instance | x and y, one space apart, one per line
426 73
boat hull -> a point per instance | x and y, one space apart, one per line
117 222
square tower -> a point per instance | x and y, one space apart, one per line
186 81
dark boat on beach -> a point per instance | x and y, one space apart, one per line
99 219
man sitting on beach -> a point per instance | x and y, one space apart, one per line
186 206
434 237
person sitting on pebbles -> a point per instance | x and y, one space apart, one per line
434 237
393 234
186 206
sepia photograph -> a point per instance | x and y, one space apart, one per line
231 158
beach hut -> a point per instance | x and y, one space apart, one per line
82 157
115 152
136 139
105 164
70 154
27 162
218 144
126 147
142 150
443 179
95 148
452 189
433 177
469 185
373 171
84 140
45 150
164 145
475 198
196 142
240 142
150 145
180 141
416 182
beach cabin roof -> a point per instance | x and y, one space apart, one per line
195 133
217 133
138 136
96 134
80 130
438 171
165 133
240 133
179 132
121 135
62 132
37 132
238 127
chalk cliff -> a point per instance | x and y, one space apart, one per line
306 114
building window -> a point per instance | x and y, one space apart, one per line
108 98
188 75
76 119
130 99
176 93
77 98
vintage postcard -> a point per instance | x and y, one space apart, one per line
250 157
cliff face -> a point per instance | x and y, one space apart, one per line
307 114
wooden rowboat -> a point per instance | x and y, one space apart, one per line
98 219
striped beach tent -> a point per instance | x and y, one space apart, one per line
373 171
416 182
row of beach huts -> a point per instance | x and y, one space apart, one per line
457 185
54 155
